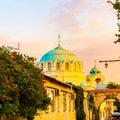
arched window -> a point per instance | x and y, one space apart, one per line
66 66
41 66
58 66
98 81
49 66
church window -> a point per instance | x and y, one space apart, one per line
41 66
98 80
58 66
49 66
67 66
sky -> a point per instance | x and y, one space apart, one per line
87 28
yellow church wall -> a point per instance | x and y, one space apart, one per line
73 74
68 76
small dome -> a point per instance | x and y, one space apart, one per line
58 53
103 86
85 84
94 71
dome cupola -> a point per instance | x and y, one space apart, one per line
58 53
94 71
62 64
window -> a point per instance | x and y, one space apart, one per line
58 103
69 102
53 102
67 66
73 105
51 95
49 66
58 66
41 66
64 102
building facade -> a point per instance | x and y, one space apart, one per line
62 105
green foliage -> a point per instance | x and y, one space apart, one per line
116 6
117 104
112 85
21 87
80 114
92 106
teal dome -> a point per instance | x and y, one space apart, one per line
94 71
58 53
103 86
85 84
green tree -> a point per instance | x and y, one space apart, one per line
80 114
116 6
112 85
117 104
92 107
21 88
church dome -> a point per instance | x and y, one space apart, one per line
62 65
58 53
94 71
103 86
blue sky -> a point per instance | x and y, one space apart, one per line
87 28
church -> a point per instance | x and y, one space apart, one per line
64 66
62 69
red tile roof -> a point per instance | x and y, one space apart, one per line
104 90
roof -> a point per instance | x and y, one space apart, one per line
58 53
105 90
55 80
84 84
61 83
94 71
103 86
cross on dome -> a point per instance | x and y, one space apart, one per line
59 39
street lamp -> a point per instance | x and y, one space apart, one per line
106 65
106 62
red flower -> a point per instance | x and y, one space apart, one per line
29 89
3 98
7 81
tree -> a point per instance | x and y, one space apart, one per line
92 106
116 6
21 87
113 85
79 106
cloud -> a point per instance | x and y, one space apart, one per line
66 14
77 16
